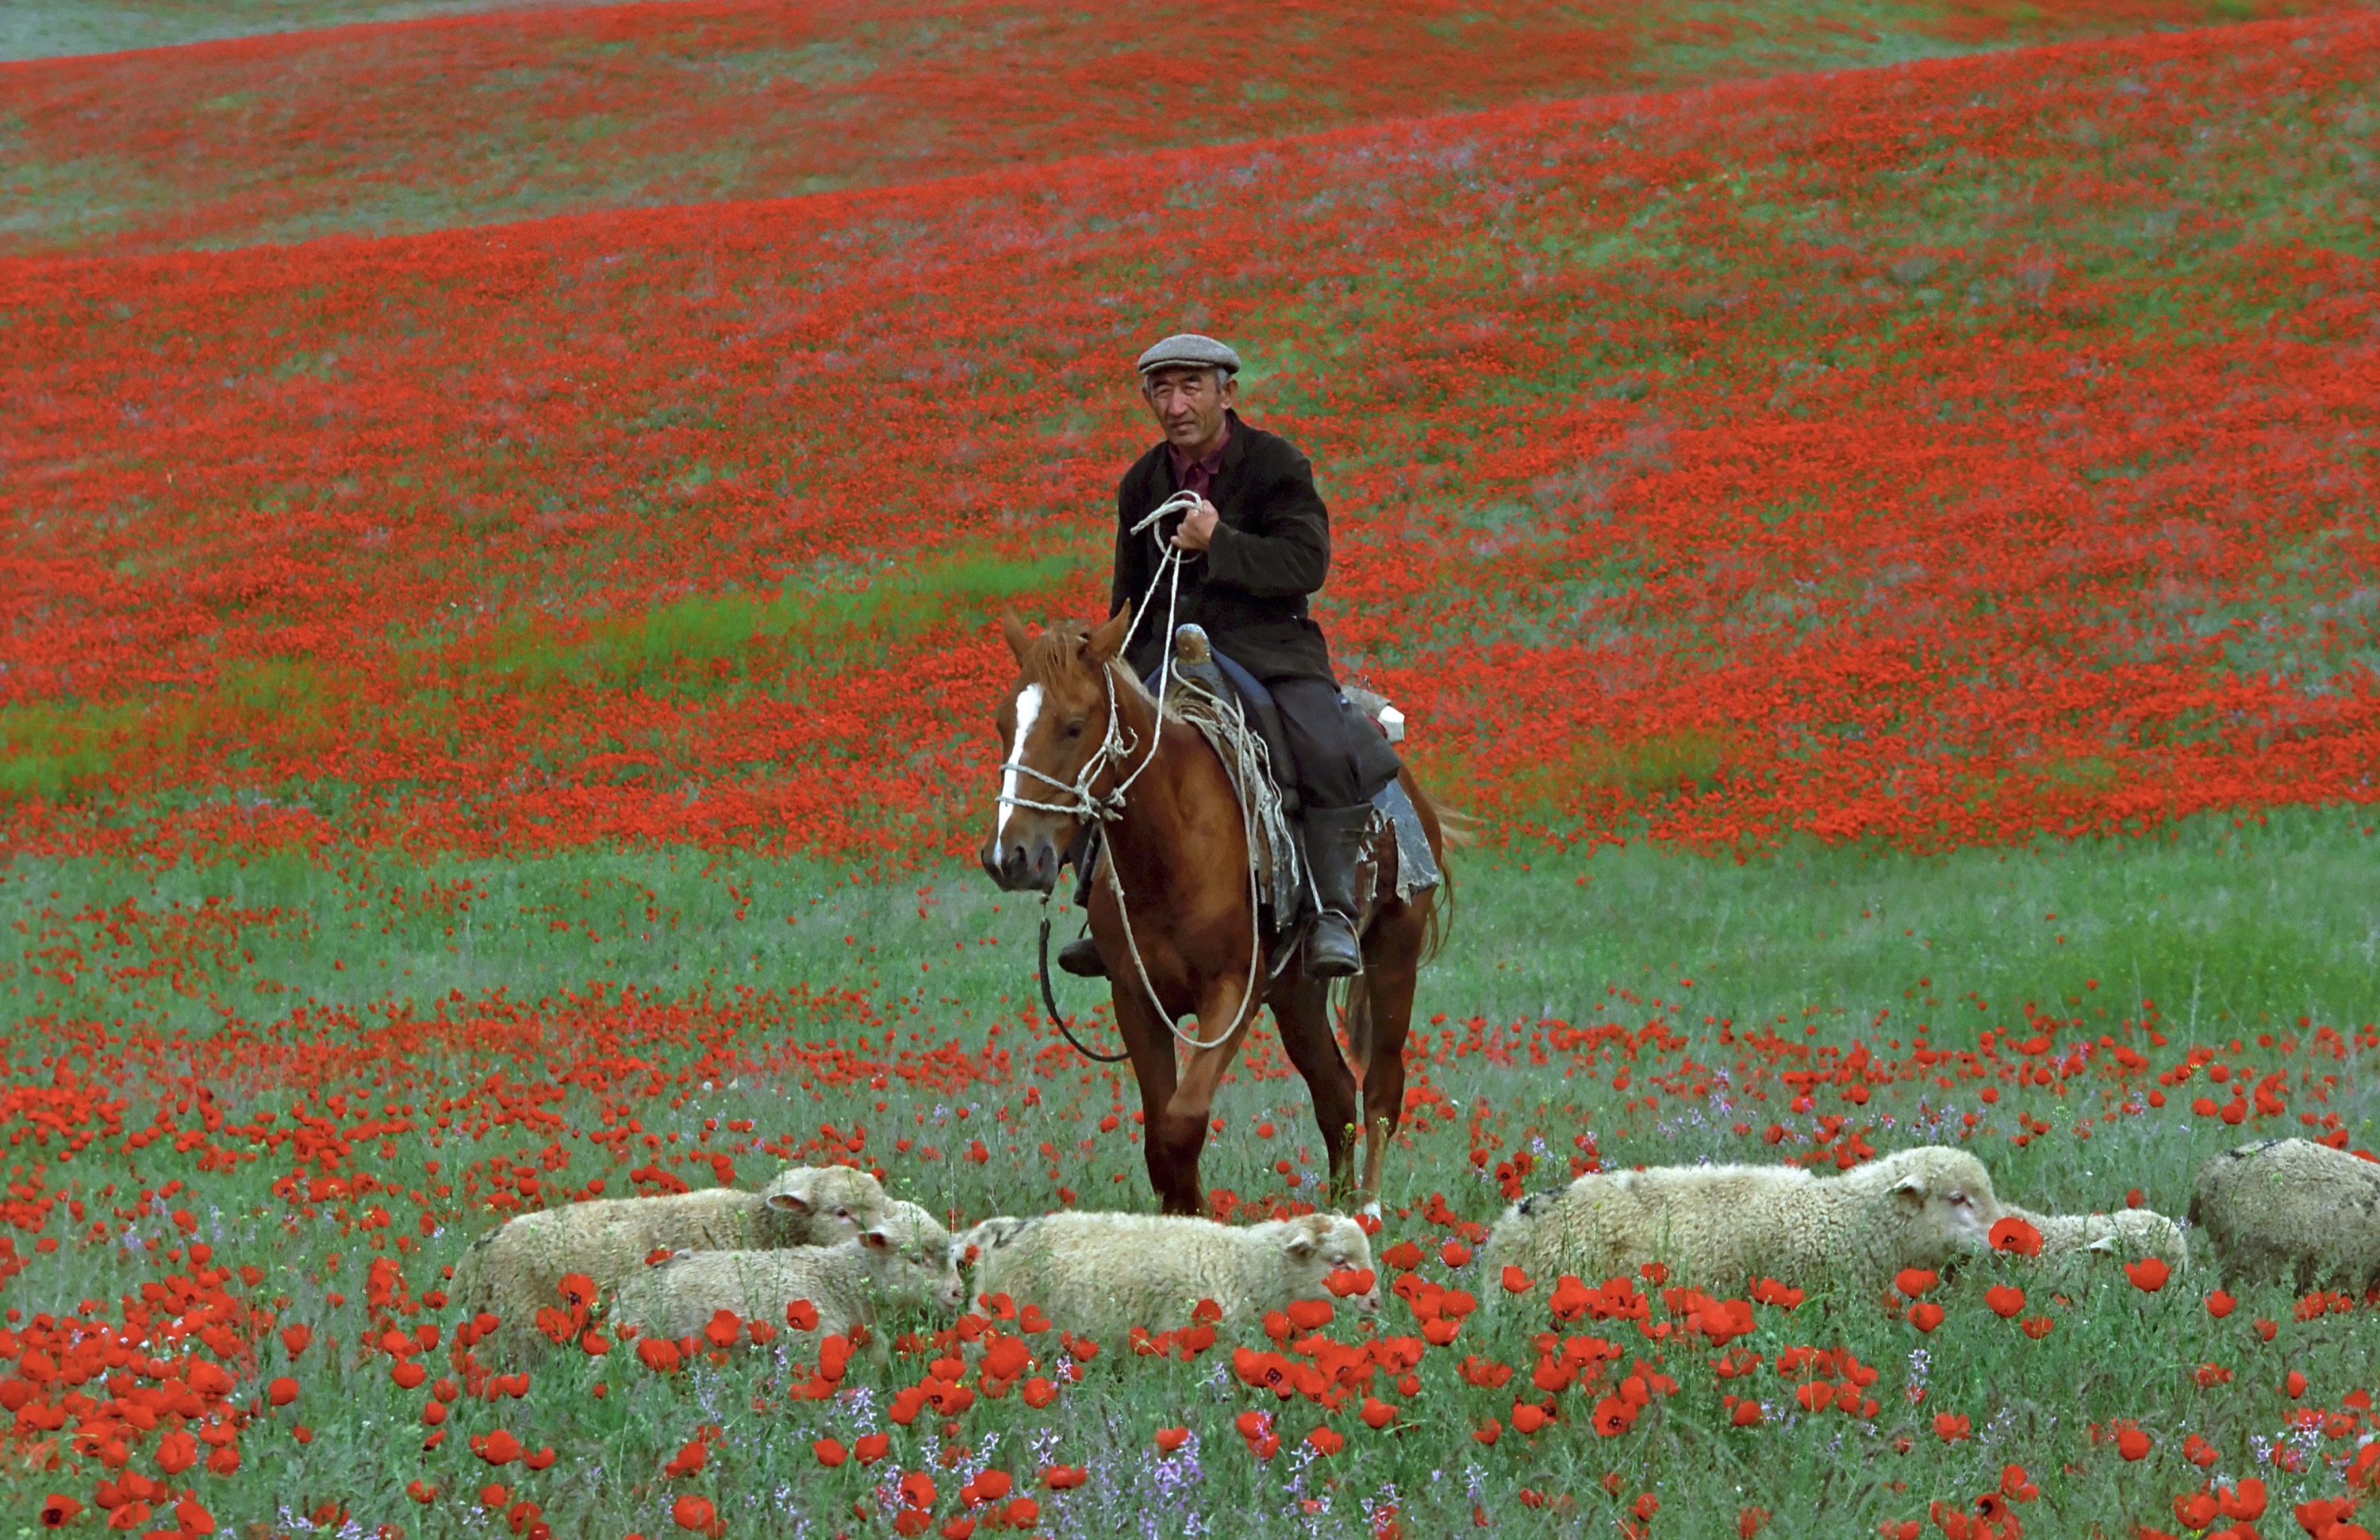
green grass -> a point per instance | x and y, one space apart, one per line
2235 931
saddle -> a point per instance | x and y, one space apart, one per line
1240 718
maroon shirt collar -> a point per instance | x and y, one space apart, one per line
1199 476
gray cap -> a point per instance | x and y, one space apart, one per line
1189 350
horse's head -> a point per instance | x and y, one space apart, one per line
1052 722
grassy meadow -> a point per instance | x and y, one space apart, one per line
730 1004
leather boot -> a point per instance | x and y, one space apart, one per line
1081 956
1334 846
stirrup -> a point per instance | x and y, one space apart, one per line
1081 957
1331 949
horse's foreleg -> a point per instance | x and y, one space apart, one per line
1388 977
1302 1011
1147 1038
1183 1128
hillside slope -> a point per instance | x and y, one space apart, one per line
1938 454
411 126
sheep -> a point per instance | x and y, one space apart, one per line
2128 1235
517 1268
1101 1274
2286 1211
1721 1224
904 1260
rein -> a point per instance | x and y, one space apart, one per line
1108 806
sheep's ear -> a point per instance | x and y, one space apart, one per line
793 1197
1911 1186
1302 1243
877 1239
2105 1245
1013 631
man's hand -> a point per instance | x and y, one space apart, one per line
1198 531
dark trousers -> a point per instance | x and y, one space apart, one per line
1315 726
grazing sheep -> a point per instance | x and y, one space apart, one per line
2128 1235
904 1260
2290 1212
1721 1224
517 1268
1102 1274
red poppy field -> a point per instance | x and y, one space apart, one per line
495 716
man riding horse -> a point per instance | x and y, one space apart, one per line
1257 544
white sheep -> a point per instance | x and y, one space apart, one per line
2127 1235
1101 1274
1720 1225
903 1261
2290 1212
517 1270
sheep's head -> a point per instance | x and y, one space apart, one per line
987 1236
1317 1245
913 1260
828 1204
1944 1202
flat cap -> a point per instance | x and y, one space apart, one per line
1189 350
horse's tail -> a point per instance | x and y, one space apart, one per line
1356 1015
1445 828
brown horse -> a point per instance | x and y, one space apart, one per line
1083 740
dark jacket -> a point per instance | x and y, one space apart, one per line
1272 548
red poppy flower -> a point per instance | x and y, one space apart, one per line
2132 1444
2219 1304
2005 1300
1914 1282
1172 1439
2148 1275
499 1448
660 1357
59 1510
1516 1282
1326 1440
2016 1236
693 1512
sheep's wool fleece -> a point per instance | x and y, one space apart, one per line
2294 1213
517 1270
2125 1235
679 1297
1722 1225
903 1260
1102 1274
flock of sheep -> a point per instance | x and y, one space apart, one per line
2283 1211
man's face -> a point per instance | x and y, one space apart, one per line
1189 403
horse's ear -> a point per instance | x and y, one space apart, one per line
1108 641
1011 630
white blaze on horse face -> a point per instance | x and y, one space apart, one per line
1028 707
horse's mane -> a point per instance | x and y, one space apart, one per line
1056 655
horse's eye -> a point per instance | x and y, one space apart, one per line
1073 730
